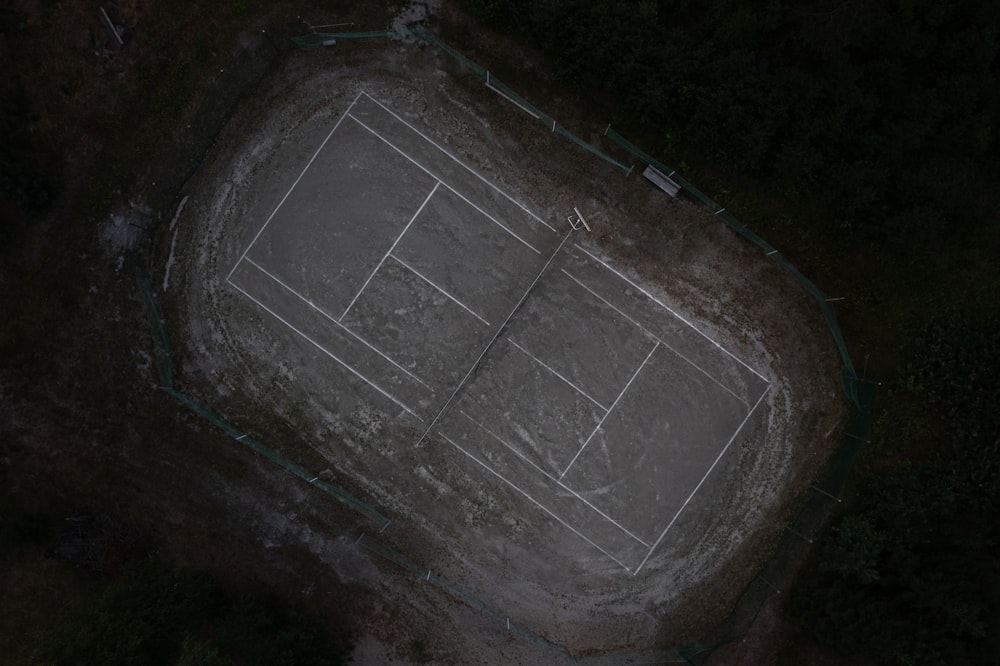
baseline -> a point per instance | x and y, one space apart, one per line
486 182
389 251
295 183
703 478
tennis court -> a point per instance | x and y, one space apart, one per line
507 339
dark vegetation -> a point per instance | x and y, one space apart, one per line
113 547
863 140
26 181
128 606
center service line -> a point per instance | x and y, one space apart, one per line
496 335
610 409
393 247
336 323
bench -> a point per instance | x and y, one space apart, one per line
663 182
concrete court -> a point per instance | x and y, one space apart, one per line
597 404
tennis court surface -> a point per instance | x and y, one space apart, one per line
507 339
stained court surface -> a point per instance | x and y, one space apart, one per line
507 339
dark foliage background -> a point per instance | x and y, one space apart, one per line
884 111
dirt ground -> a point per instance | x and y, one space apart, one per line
84 425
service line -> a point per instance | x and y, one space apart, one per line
389 252
610 409
655 337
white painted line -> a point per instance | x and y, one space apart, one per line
328 353
534 501
504 442
337 323
509 98
462 164
493 339
306 168
552 478
668 309
655 337
613 405
714 463
544 365
391 248
447 187
604 515
445 293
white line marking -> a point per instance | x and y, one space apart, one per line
328 353
714 463
655 337
448 187
428 281
337 323
534 501
552 478
606 516
544 365
504 442
391 248
462 164
496 335
306 168
613 405
668 309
